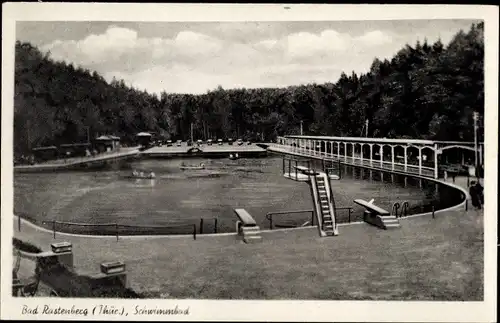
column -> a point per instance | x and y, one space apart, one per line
381 152
353 150
331 149
481 154
338 149
345 151
371 154
420 160
406 159
361 153
435 161
392 157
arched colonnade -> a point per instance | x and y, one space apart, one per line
406 155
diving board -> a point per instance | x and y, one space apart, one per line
247 227
377 216
371 207
245 217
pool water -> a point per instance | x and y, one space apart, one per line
178 197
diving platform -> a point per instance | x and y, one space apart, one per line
321 191
300 177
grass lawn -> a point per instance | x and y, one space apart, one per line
425 259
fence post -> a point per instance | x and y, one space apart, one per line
54 227
270 221
116 231
19 223
194 231
201 226
350 211
433 211
215 225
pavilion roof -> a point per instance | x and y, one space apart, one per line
383 140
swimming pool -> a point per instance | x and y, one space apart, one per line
179 198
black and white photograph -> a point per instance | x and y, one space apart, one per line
173 162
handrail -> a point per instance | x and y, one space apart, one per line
405 207
331 200
350 209
314 188
269 215
395 208
118 225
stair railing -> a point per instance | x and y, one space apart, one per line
395 207
331 200
317 206
405 208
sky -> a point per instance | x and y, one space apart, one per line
194 57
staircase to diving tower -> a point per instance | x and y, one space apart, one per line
324 204
322 196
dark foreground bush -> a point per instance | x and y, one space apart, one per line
25 246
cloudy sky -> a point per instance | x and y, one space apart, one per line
194 57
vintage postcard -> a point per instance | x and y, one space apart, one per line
249 162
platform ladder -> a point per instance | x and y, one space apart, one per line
325 207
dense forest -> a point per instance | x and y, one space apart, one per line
424 91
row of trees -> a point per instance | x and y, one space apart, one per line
426 91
